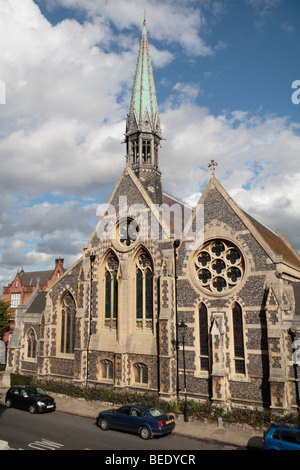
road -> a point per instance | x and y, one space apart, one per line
60 431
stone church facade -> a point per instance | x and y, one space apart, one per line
113 318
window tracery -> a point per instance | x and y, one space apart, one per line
111 292
68 313
219 266
31 344
128 231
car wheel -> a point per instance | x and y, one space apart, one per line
32 409
103 424
8 403
145 433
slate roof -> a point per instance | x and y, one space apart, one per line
276 243
30 278
38 304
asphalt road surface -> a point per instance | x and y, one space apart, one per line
60 431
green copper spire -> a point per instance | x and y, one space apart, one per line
143 133
143 102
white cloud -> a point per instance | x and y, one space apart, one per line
258 162
170 22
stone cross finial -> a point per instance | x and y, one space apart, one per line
212 165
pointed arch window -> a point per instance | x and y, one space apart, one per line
238 338
111 291
146 151
31 344
68 314
156 154
204 338
144 291
135 151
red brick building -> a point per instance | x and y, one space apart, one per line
23 285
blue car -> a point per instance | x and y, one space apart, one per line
282 436
145 420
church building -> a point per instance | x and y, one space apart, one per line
164 296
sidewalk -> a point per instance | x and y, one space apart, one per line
229 435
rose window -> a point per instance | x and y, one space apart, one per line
219 266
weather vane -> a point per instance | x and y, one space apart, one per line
212 165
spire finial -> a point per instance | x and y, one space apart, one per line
144 23
212 165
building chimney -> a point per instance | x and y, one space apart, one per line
59 261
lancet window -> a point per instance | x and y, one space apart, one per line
31 344
68 314
111 291
238 336
144 291
204 338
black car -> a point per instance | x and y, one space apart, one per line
146 420
33 399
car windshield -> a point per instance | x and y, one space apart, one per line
155 411
37 392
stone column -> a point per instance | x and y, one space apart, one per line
219 371
277 353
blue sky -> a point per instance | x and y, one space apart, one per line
223 72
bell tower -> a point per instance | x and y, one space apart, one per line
143 132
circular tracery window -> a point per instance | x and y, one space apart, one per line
128 232
219 266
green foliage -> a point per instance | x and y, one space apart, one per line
16 379
4 316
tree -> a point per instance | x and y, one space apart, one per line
4 316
